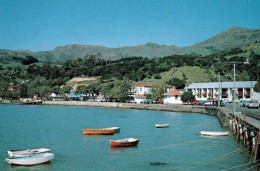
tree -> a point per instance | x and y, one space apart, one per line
157 91
257 87
187 96
178 83
3 88
23 88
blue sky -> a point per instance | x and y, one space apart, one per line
39 25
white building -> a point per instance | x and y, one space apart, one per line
203 91
145 88
141 89
173 97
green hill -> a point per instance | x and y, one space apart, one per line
227 40
188 73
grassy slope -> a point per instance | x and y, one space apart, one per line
255 47
192 74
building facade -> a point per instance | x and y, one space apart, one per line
222 90
145 88
172 97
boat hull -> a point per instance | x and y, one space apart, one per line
117 129
26 152
124 142
98 131
212 133
162 125
32 159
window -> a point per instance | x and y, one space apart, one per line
176 97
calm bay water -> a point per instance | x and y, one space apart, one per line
179 147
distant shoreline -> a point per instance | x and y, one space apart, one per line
154 107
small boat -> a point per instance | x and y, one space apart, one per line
117 129
213 133
31 159
124 142
102 131
162 125
26 152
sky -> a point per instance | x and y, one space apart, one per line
40 25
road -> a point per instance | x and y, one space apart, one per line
255 113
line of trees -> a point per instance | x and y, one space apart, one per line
48 77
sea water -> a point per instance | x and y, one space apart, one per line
179 147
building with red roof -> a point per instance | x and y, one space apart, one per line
173 97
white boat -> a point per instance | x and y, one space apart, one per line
22 153
31 159
162 125
117 129
213 133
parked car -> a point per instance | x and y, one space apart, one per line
159 102
242 103
201 102
253 104
129 101
227 101
209 103
149 101
247 103
194 102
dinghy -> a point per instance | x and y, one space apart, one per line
26 152
213 133
103 131
162 125
124 142
31 159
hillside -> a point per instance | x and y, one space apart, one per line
225 41
191 74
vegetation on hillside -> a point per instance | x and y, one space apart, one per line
116 76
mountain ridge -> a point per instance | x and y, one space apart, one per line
234 37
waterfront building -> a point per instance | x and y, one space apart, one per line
244 90
145 88
173 97
141 89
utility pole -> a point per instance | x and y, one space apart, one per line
218 89
234 95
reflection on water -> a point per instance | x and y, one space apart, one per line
122 149
44 166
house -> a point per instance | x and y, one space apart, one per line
145 88
141 89
173 97
139 98
74 96
244 90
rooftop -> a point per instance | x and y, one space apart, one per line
238 84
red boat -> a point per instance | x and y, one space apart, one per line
124 142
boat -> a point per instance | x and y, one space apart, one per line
26 152
31 159
124 142
214 133
102 131
162 125
117 129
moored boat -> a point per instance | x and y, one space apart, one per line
102 131
214 133
26 152
31 159
162 125
117 129
124 142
